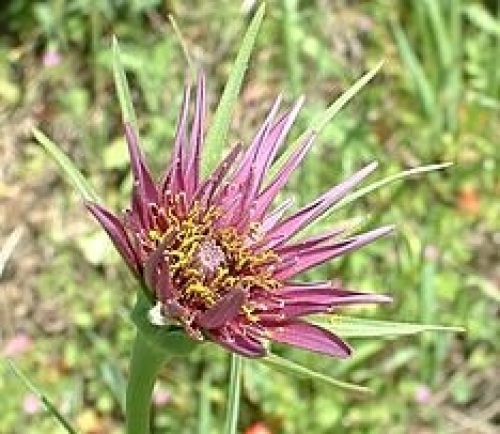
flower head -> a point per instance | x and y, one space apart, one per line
216 258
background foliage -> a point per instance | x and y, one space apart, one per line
65 295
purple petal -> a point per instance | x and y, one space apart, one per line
310 242
240 344
309 258
270 145
275 216
310 337
114 227
328 295
174 179
252 152
192 174
141 172
207 191
293 224
157 272
268 195
226 309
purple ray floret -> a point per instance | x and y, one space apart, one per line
216 257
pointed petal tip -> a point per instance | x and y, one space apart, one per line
310 337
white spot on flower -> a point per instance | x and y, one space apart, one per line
155 315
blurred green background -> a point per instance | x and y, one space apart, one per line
65 296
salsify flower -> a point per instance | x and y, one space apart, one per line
216 258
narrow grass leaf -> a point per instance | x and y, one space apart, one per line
350 327
441 33
288 366
114 379
205 414
421 83
121 84
67 167
218 131
183 45
234 394
51 408
480 17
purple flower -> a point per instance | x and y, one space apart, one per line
51 58
423 394
31 404
218 260
17 345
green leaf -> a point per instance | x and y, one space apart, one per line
170 340
67 167
234 394
288 366
421 83
350 327
385 181
218 131
319 122
127 108
479 16
51 408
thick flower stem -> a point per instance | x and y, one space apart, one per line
145 364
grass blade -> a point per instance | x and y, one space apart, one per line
51 408
421 83
234 394
218 131
288 366
67 167
121 84
441 33
350 327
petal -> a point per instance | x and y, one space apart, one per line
271 143
207 191
246 346
192 174
253 150
226 309
174 179
114 227
310 337
275 216
268 195
329 296
139 167
307 214
310 242
309 258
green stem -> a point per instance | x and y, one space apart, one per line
145 364
234 394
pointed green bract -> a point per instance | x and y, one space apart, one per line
288 366
217 133
51 408
67 167
234 394
170 340
350 327
320 121
121 84
385 181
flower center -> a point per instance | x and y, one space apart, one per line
205 261
210 256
